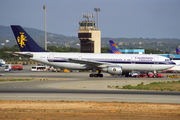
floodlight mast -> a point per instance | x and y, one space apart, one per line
97 10
44 7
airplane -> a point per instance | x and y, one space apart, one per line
115 50
115 64
177 51
2 62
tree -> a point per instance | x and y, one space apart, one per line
105 49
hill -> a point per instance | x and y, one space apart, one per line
164 44
38 35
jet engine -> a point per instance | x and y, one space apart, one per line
115 70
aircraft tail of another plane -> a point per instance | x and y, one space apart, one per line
25 42
112 43
114 48
177 51
110 51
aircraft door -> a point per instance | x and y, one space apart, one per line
133 60
133 63
156 60
51 56
80 57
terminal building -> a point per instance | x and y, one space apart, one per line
171 56
132 51
89 36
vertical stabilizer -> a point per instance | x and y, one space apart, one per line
177 51
114 48
24 41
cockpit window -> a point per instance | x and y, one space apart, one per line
167 60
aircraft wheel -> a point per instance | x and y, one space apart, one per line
101 75
126 75
91 75
95 75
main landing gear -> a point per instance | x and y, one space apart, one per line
96 75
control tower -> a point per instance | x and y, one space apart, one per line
89 36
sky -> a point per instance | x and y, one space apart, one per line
117 18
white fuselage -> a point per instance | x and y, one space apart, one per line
177 67
128 62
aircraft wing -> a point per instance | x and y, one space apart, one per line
90 63
20 54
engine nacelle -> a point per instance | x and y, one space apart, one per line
115 70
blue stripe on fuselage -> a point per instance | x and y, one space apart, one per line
124 62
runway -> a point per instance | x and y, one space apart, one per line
50 86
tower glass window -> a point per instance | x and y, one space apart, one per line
87 46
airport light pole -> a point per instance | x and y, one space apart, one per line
97 10
44 7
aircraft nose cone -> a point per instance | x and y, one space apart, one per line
172 63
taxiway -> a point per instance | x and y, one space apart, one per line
52 86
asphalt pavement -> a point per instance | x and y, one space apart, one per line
78 86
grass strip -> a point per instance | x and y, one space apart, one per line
11 79
158 86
